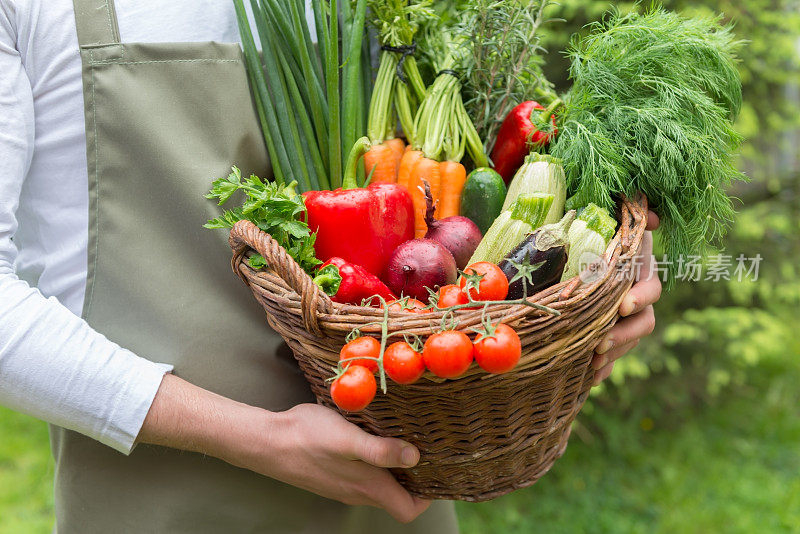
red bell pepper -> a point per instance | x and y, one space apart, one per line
350 283
519 133
360 225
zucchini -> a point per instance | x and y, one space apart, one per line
540 174
588 238
511 227
483 196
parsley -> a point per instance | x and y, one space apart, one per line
275 208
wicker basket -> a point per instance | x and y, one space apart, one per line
481 435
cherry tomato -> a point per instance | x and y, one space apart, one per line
498 354
355 389
408 305
402 363
362 347
451 295
493 285
448 354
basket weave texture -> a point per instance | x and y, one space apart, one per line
480 435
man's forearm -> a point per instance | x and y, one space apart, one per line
187 417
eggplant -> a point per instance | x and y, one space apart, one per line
548 248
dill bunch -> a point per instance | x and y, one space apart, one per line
651 109
504 63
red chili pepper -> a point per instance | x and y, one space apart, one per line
518 134
354 282
361 225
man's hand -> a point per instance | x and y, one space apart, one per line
638 319
309 446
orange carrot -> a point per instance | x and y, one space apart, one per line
385 158
398 149
453 178
425 169
407 163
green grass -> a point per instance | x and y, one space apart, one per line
26 475
731 464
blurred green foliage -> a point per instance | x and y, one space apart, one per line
711 332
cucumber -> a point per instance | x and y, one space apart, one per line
483 196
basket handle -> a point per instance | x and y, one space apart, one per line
313 301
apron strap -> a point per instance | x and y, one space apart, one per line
96 21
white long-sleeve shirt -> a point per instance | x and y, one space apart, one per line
52 364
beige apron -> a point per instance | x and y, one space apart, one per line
163 120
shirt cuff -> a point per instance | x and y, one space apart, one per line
132 403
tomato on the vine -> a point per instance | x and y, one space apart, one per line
493 284
448 354
451 295
409 305
499 352
354 389
363 347
402 363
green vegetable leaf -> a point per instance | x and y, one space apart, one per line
275 208
329 279
257 261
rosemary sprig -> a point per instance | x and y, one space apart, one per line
504 60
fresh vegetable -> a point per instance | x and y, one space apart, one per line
419 264
503 67
519 134
651 109
484 281
588 237
483 197
457 234
275 208
307 116
442 133
361 225
453 178
397 22
448 354
545 251
354 389
363 351
382 161
511 227
451 295
540 174
498 349
355 283
409 305
402 363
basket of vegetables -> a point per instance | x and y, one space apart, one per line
460 311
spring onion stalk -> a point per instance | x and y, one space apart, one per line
265 108
306 115
352 106
511 227
540 174
332 78
588 238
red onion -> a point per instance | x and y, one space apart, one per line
457 234
418 264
